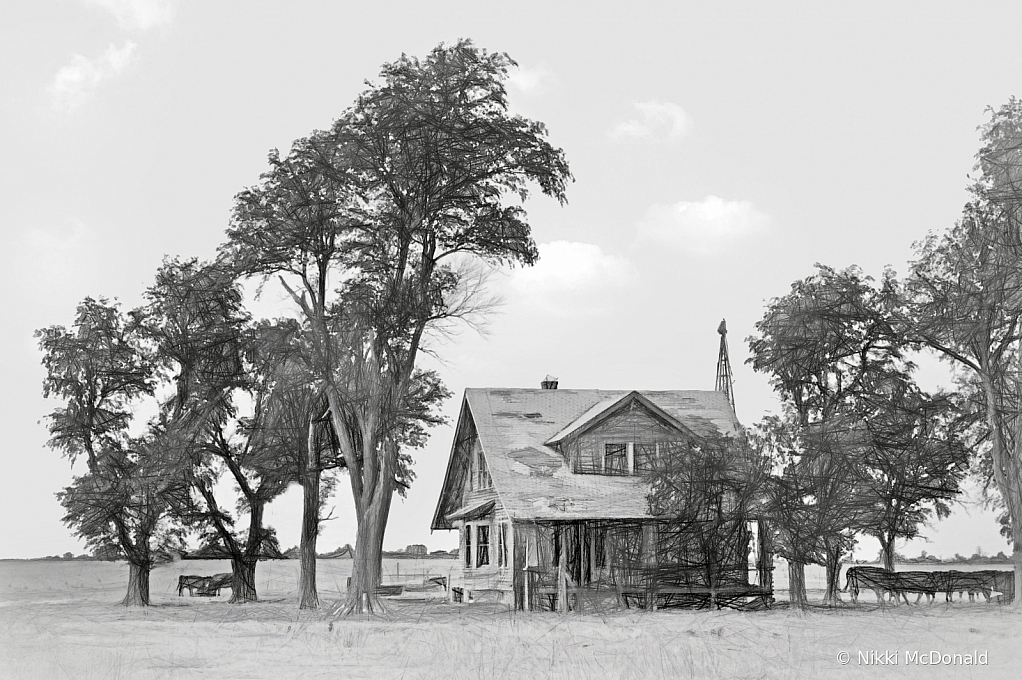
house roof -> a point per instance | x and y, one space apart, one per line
600 411
471 512
533 481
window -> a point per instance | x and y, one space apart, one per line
482 545
615 458
646 456
468 546
502 545
483 480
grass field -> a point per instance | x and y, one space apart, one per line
61 620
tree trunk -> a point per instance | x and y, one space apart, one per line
244 566
138 585
886 551
1007 474
308 463
368 561
1012 494
833 575
243 588
386 502
797 585
309 597
1016 553
1016 557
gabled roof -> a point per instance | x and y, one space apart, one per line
605 409
534 481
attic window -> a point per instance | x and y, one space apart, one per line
483 480
615 459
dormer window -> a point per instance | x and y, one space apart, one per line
618 436
617 458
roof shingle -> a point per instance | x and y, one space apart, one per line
533 481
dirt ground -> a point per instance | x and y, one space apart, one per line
62 620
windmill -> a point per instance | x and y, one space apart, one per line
725 381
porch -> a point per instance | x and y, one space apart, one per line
593 564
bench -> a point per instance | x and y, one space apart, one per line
204 586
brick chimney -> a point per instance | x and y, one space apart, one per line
549 383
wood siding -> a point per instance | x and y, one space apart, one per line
635 426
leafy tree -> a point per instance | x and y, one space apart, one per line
964 301
999 162
829 341
813 502
915 457
837 355
119 506
825 345
706 492
204 338
302 418
370 225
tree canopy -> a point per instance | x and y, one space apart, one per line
369 225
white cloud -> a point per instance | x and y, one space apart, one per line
137 14
656 119
702 227
572 278
74 83
531 80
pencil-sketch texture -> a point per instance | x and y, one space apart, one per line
549 490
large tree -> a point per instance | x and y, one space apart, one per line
836 352
213 354
705 493
120 505
261 454
825 345
371 223
915 456
964 300
813 501
193 322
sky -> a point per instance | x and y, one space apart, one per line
719 150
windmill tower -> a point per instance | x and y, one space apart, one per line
725 382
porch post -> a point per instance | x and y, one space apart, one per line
519 562
591 539
562 570
765 558
649 562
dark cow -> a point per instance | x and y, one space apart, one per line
961 582
983 582
880 581
897 584
919 582
928 583
206 586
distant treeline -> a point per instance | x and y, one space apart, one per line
340 553
976 558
